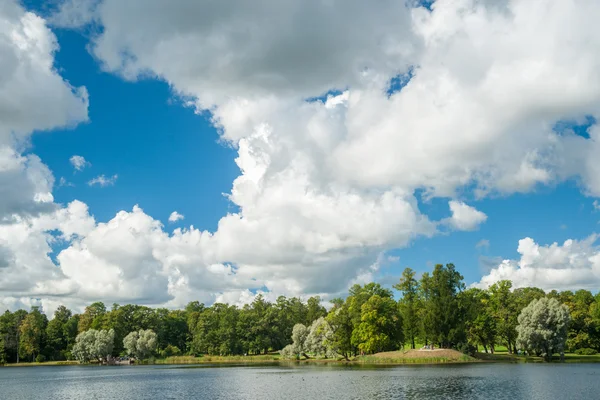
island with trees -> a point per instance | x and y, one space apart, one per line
435 318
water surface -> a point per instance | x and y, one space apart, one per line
313 382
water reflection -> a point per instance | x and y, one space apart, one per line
292 382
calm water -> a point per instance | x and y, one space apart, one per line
483 381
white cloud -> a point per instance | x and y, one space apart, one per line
73 13
62 182
79 162
175 216
253 50
464 217
103 180
570 266
33 96
483 244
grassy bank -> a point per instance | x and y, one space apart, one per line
218 359
37 364
438 356
505 357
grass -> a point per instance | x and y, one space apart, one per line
388 358
217 359
45 364
438 356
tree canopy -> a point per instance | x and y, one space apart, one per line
434 309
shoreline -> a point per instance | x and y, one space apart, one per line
364 361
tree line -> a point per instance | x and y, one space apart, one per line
436 309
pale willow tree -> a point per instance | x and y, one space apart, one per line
94 345
298 347
319 338
543 327
140 344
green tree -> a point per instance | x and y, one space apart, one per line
314 310
442 305
479 324
340 321
32 333
92 317
409 305
380 328
582 329
543 326
57 339
9 327
503 308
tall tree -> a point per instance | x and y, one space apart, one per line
442 289
340 321
504 309
56 334
32 332
314 309
409 305
92 317
479 325
380 328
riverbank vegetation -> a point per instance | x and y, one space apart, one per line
434 311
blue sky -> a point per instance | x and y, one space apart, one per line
369 168
166 157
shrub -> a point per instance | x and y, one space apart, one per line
586 352
40 358
170 351
466 348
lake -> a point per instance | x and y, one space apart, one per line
313 382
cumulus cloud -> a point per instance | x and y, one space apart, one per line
33 96
465 217
175 216
79 162
570 266
103 180
326 186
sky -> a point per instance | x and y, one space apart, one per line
159 152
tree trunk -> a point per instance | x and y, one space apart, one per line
412 344
485 348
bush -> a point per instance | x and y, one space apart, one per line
40 358
586 352
170 351
467 348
